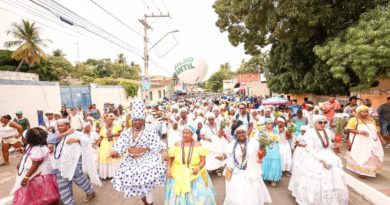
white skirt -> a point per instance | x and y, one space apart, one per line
312 184
285 153
242 190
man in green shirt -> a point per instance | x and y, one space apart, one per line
22 121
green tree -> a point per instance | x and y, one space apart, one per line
290 25
255 64
28 40
363 49
215 82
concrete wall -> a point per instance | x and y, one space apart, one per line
29 97
10 75
116 94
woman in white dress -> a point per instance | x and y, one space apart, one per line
366 155
318 177
244 184
215 142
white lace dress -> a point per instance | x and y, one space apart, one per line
311 183
138 176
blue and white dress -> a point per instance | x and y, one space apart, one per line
139 176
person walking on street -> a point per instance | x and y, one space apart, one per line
22 121
73 162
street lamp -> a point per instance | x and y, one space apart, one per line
174 31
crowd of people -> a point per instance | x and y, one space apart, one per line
177 144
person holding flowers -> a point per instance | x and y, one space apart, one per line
244 183
272 162
284 145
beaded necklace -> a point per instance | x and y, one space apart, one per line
189 153
25 155
62 146
243 164
326 138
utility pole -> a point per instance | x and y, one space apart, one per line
146 41
144 22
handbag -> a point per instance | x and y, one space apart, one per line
40 190
349 144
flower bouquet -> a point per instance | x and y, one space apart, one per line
340 121
290 131
264 141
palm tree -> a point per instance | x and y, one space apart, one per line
28 39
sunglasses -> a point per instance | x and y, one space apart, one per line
322 122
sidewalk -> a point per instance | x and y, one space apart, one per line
380 184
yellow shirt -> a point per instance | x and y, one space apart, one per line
354 122
181 173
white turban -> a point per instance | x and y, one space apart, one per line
241 127
267 109
215 108
65 121
317 118
210 115
183 109
280 119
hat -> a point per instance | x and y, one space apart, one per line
19 112
183 109
138 110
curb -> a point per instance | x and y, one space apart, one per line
375 196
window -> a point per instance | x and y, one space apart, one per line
164 93
159 94
150 95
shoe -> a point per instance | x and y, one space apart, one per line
90 197
387 146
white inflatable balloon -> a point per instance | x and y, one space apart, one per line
191 70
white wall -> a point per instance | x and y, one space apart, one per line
101 94
29 97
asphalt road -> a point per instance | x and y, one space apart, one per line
106 195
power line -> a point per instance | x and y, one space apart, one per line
35 15
89 30
116 18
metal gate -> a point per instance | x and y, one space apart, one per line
72 96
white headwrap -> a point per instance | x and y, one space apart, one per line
280 119
183 109
210 115
267 109
66 121
138 110
317 118
215 108
241 127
